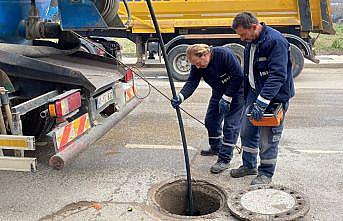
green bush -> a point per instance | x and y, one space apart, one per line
329 44
337 43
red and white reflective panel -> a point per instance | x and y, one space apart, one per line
130 93
65 103
66 134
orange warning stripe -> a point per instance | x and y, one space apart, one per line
72 130
130 93
65 136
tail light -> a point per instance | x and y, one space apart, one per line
128 75
65 103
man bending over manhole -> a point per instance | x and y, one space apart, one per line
221 70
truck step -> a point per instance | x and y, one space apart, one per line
18 163
18 144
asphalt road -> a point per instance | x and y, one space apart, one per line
117 172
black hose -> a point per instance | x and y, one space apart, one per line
178 112
127 24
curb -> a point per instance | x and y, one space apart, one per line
324 65
308 65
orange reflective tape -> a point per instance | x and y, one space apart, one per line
52 110
65 136
81 127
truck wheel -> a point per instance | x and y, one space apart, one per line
180 67
238 50
297 59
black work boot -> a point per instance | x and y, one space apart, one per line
209 152
242 171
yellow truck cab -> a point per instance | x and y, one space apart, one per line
184 22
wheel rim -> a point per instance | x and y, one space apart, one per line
181 64
238 51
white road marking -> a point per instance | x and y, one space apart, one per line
321 151
151 146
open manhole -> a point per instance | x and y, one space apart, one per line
268 202
171 198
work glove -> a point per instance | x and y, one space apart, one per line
258 110
224 104
176 101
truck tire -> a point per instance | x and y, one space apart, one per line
238 50
297 59
179 65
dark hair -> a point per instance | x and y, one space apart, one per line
244 19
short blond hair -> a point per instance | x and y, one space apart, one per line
197 50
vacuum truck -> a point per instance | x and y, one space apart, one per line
185 22
54 95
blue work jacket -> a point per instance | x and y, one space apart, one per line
223 74
272 66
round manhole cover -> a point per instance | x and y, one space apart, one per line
268 202
170 198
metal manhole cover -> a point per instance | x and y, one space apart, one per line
268 202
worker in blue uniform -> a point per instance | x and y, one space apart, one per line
221 70
267 79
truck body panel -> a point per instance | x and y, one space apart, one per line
98 73
175 14
185 22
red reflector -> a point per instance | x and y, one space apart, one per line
128 75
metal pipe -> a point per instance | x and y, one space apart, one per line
2 127
2 122
6 104
178 112
62 158
129 17
139 51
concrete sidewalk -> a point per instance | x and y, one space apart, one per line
326 61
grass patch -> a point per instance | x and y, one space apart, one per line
330 44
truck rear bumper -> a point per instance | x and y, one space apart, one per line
60 159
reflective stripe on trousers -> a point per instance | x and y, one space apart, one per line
264 140
230 127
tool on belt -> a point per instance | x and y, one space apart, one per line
272 117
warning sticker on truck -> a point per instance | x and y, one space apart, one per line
66 134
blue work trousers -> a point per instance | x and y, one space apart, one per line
228 125
262 140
